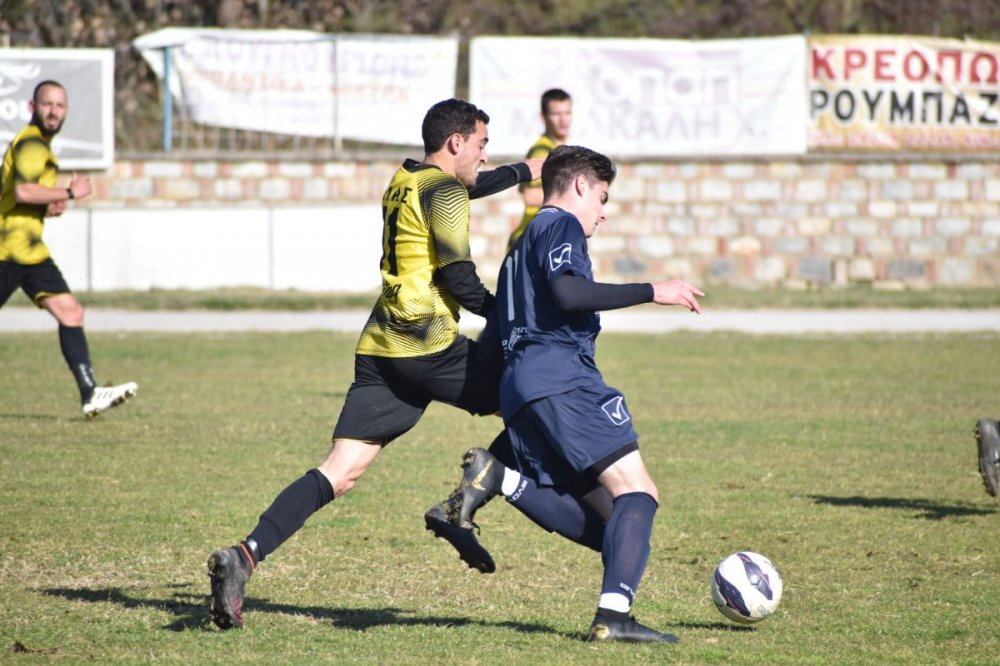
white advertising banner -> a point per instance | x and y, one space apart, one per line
385 84
370 88
87 139
646 97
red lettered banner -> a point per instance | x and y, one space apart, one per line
903 93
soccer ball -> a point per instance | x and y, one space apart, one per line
746 587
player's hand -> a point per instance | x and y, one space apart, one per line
677 292
535 164
55 209
80 184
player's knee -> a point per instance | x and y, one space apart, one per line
74 317
340 479
68 312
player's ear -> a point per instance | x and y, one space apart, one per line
580 184
454 143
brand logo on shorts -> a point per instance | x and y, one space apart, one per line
560 256
615 409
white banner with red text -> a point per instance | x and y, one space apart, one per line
362 87
903 93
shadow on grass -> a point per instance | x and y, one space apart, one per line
28 417
930 510
192 612
714 626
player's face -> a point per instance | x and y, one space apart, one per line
557 117
593 198
472 155
50 111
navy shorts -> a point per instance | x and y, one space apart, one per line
37 280
389 395
571 437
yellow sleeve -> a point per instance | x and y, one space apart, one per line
447 214
30 161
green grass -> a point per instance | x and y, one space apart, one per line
719 296
849 461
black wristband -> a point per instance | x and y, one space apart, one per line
69 191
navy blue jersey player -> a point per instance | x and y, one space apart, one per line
576 463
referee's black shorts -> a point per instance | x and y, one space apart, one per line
389 395
37 280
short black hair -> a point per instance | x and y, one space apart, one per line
38 88
553 95
452 116
565 163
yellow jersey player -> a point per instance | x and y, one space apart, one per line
29 194
410 351
557 114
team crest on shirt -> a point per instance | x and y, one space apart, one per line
616 411
560 256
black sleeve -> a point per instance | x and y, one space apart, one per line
461 280
499 179
489 350
574 293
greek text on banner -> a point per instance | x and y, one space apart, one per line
364 87
903 93
647 97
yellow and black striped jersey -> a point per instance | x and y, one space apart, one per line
28 159
540 148
425 216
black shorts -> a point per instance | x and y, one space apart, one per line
38 281
389 395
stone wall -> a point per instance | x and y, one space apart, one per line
811 220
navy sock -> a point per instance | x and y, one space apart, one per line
289 511
73 343
559 511
626 543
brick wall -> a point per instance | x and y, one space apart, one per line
794 222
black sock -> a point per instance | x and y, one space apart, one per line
249 552
73 343
290 509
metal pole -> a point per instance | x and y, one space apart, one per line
338 142
168 99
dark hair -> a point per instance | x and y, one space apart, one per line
565 163
38 88
452 116
553 95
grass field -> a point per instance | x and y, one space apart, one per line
849 461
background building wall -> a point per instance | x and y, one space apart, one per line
316 225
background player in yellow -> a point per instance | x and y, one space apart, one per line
29 194
557 114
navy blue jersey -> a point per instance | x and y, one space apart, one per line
547 350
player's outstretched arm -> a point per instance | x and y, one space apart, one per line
508 175
677 292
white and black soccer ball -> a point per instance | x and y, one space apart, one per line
746 587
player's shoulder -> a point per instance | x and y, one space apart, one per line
429 181
553 226
541 147
29 137
551 217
